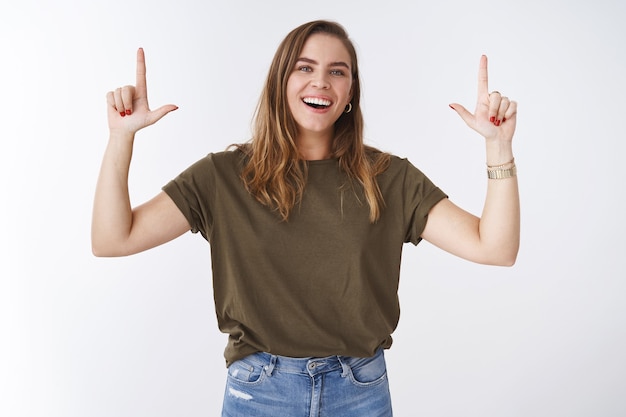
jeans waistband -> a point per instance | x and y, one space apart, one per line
310 366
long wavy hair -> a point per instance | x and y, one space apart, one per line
275 173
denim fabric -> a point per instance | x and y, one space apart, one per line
264 385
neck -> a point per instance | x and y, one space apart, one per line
314 147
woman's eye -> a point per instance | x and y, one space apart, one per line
337 72
305 68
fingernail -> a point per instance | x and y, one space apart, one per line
128 112
451 106
503 119
492 119
122 113
497 123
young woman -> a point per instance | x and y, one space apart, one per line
306 226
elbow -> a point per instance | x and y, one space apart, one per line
508 262
103 249
505 259
512 256
502 262
99 252
98 248
107 245
499 255
105 253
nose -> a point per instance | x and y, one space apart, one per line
320 80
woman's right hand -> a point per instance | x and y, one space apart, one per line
127 107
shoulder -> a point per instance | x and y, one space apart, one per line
401 170
403 164
393 164
376 156
211 166
221 160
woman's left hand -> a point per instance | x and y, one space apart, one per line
495 115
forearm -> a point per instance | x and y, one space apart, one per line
494 237
112 212
499 226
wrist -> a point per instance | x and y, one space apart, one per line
502 171
121 136
498 153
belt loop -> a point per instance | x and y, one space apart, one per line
269 368
345 368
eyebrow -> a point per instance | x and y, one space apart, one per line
332 64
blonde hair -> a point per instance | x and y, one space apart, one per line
274 172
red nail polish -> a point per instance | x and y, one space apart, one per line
128 112
503 119
492 119
497 123
122 114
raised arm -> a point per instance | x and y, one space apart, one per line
116 228
494 237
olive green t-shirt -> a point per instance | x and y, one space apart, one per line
324 282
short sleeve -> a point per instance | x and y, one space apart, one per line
192 191
420 196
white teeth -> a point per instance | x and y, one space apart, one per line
316 101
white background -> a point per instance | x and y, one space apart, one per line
82 336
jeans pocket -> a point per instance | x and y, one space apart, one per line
246 372
368 371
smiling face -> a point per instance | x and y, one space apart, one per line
319 87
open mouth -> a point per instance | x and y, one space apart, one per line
317 103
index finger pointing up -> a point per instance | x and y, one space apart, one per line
140 86
483 88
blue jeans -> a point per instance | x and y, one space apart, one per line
264 385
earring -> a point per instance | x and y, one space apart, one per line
348 108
